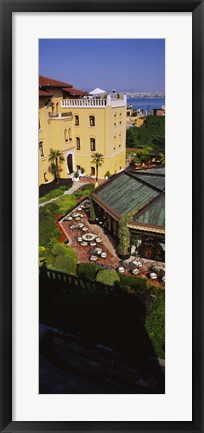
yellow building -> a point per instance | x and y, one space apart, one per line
79 125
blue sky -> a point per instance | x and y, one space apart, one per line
119 64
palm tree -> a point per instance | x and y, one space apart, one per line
56 158
97 159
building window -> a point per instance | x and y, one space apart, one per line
69 135
45 179
114 146
77 143
41 148
76 120
92 120
65 135
57 107
93 171
53 107
92 144
115 119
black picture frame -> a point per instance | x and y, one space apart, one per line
7 8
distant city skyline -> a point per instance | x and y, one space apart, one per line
120 64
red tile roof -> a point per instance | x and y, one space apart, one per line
73 91
45 82
43 93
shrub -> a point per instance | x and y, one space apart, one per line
136 283
64 187
108 278
65 204
64 263
78 194
47 228
41 250
87 271
155 322
88 187
59 250
82 170
76 174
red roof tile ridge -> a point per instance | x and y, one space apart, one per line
45 81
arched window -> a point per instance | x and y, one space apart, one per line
69 135
93 171
115 119
76 120
57 107
45 178
77 143
41 148
92 144
65 135
92 120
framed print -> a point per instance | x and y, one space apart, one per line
99 331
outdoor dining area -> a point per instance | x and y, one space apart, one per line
91 245
91 242
138 266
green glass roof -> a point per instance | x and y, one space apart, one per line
159 170
154 215
157 181
126 193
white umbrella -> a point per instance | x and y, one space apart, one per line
98 92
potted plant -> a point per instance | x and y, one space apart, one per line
76 176
107 175
82 171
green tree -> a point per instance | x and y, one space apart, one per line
56 158
97 159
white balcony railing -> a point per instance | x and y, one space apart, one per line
96 103
83 103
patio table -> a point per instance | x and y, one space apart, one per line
103 255
153 276
93 258
83 244
135 271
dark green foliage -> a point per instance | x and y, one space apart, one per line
87 271
108 278
151 133
92 211
63 258
124 234
155 321
139 284
59 250
52 194
88 187
64 263
47 227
